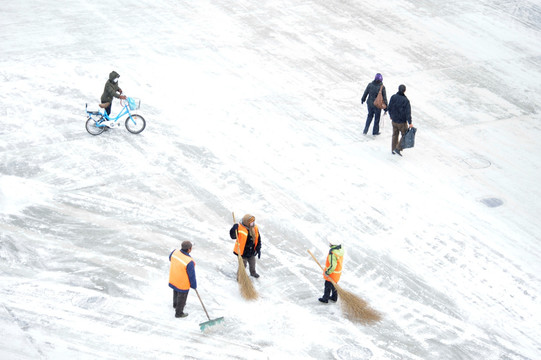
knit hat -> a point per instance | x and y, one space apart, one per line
248 219
186 245
378 77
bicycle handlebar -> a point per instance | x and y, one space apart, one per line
131 103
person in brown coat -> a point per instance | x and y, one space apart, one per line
111 90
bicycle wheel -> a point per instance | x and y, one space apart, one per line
92 128
136 125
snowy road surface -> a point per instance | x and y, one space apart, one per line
255 107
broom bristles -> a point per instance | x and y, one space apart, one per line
247 289
356 308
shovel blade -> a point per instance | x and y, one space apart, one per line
207 324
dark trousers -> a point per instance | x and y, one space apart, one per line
108 108
398 128
251 262
373 112
179 301
330 291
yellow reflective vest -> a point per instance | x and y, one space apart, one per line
336 257
178 275
242 236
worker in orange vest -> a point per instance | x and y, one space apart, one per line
333 270
248 242
181 277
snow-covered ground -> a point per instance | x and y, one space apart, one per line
254 107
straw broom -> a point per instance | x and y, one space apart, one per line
354 307
247 289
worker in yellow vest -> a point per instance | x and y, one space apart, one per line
181 276
333 270
248 242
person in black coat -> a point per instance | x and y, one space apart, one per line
248 243
372 90
400 112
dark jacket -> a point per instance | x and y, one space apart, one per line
249 249
190 269
372 90
111 89
399 108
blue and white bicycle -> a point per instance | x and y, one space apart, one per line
98 121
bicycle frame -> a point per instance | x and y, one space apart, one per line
125 110
98 120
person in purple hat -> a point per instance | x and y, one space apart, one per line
372 90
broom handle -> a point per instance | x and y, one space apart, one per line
317 262
197 292
236 234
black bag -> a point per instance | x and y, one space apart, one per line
408 140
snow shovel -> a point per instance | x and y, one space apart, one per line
209 323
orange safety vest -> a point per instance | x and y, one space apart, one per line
178 276
242 236
337 271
